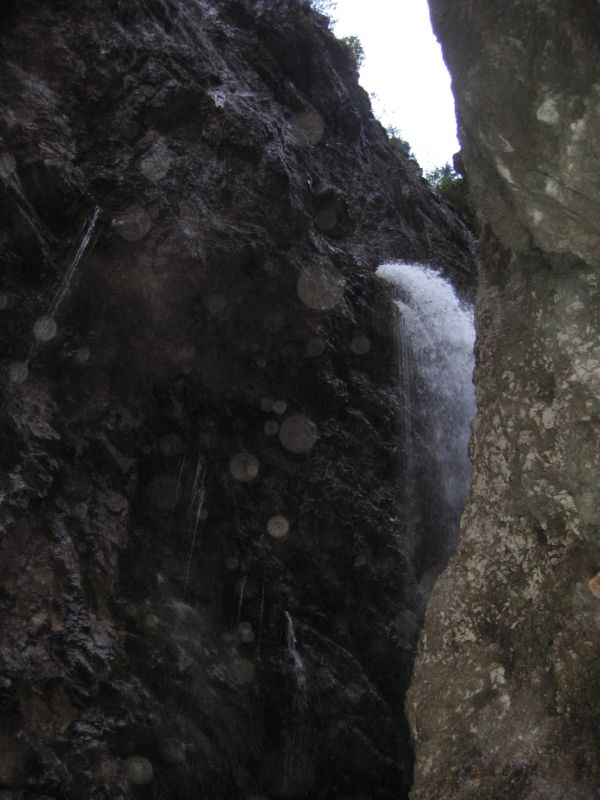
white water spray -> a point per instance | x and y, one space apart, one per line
435 341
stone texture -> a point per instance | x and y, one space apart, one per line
504 702
233 160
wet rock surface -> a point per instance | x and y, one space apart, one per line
205 591
504 702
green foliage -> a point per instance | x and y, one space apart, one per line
400 145
354 45
453 188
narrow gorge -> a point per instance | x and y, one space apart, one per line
236 352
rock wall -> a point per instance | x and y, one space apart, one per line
504 702
195 356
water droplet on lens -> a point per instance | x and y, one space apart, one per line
133 224
172 751
244 467
3 301
245 632
18 372
314 348
82 355
241 671
215 303
321 287
7 165
278 527
266 404
156 165
306 128
151 622
298 434
271 427
280 406
138 770
44 329
79 511
172 445
360 345
232 563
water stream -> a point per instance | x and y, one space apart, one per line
87 234
194 515
297 761
435 337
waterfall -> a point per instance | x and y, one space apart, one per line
435 337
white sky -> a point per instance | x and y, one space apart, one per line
403 66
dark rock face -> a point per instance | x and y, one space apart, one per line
205 591
505 697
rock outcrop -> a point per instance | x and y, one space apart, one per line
205 590
505 697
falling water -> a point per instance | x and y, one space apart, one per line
194 515
243 583
296 661
29 214
298 770
86 237
261 615
435 340
87 234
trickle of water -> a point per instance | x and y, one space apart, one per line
261 613
28 213
296 758
194 515
296 661
435 337
87 234
7 165
242 589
